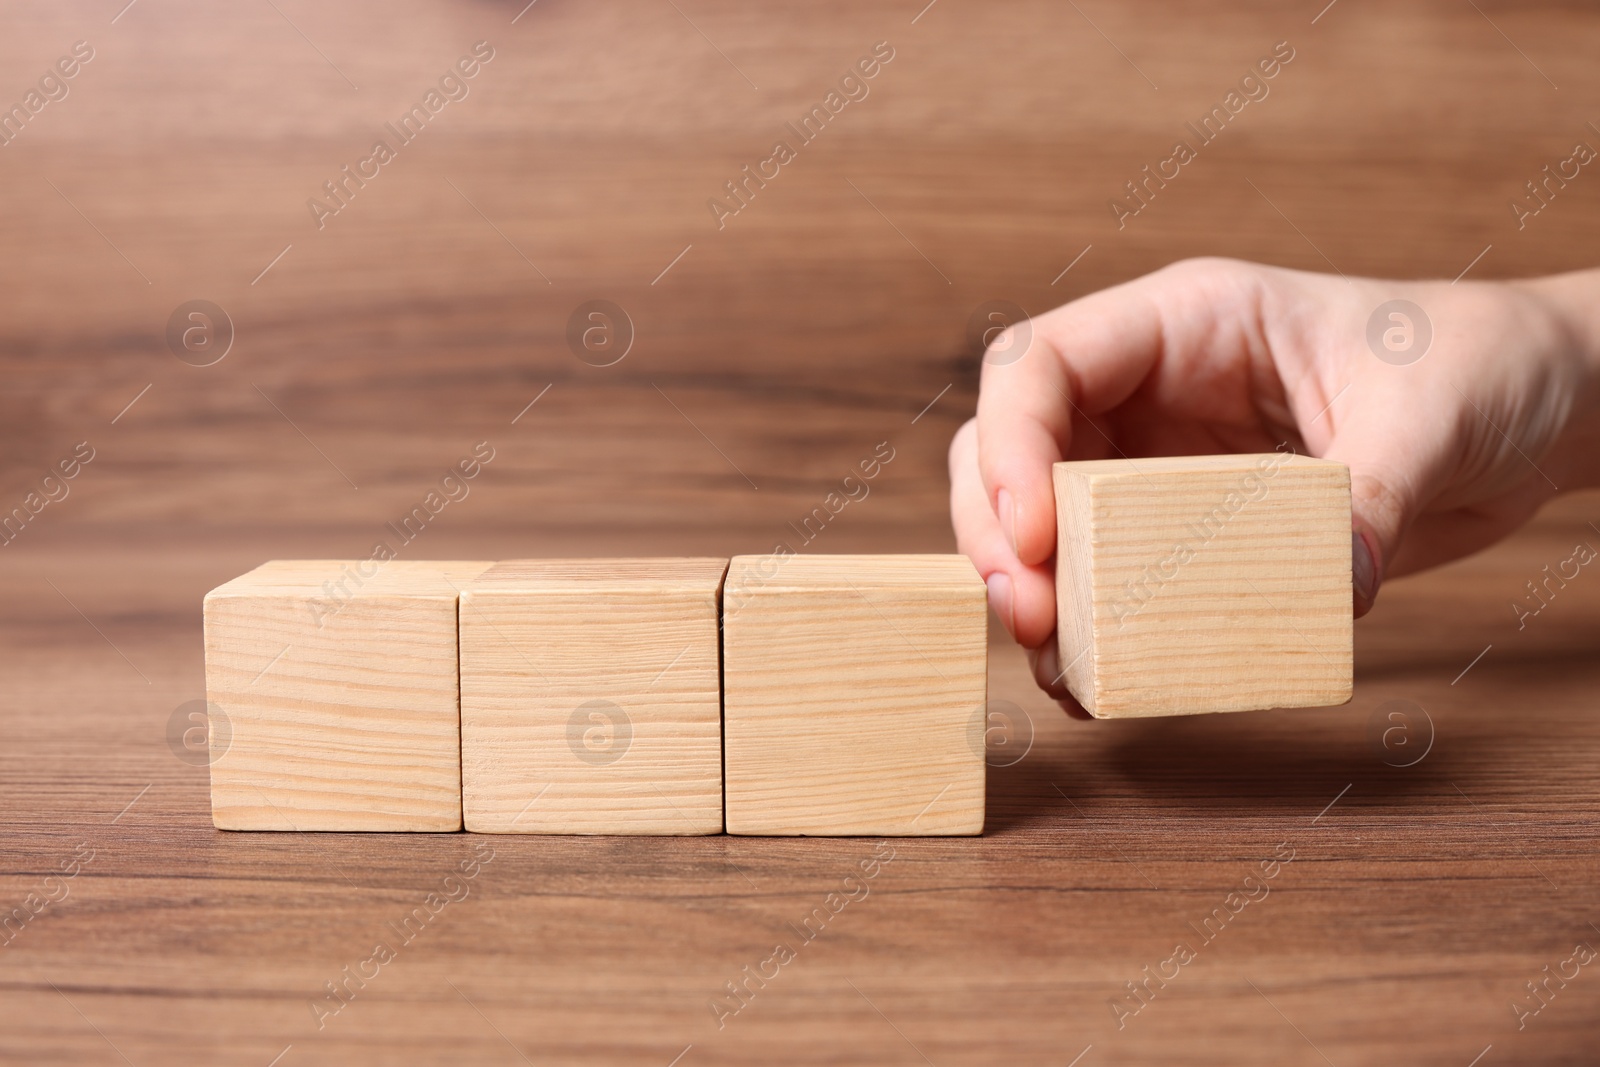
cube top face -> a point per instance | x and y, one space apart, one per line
1204 583
340 579
338 680
854 690
635 576
591 697
911 575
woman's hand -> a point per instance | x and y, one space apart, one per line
1450 448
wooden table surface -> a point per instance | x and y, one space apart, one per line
768 356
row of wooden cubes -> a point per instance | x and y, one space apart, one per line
823 695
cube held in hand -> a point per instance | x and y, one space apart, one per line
1204 583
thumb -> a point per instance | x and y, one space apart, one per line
1395 460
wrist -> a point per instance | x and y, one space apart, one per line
1573 301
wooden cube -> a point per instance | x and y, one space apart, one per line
338 680
854 695
1204 583
590 697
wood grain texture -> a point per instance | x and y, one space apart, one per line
335 681
591 697
795 338
1204 583
853 695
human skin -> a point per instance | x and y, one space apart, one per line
1447 454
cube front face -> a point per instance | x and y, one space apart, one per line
1204 584
854 690
591 697
338 680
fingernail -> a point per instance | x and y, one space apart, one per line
1006 511
1047 668
1363 572
999 584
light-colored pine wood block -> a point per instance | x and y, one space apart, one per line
1204 583
338 680
590 697
853 695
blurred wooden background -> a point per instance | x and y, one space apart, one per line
768 357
